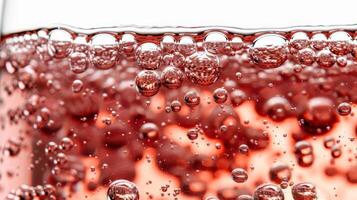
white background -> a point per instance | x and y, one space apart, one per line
26 14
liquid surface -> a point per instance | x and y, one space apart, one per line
215 113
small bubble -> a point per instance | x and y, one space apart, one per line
172 77
340 43
325 58
78 62
319 41
104 51
203 68
149 131
304 191
239 175
329 142
279 172
243 149
66 144
299 40
268 192
148 56
122 190
168 44
215 42
192 133
187 45
336 151
220 95
192 99
306 56
175 106
269 51
127 46
60 43
77 86
148 83
344 109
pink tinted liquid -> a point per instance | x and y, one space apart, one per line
200 114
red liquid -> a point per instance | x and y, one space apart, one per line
200 115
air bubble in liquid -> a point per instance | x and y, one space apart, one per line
77 86
306 56
187 45
78 62
319 41
239 175
172 77
60 43
148 82
168 44
122 190
175 106
268 192
192 99
299 40
127 46
269 51
304 191
202 68
148 56
192 133
220 95
104 51
340 43
344 109
215 42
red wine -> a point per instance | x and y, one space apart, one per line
178 113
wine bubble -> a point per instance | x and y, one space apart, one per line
148 56
187 45
340 43
220 95
60 43
239 175
192 99
122 190
268 192
269 51
148 82
78 62
215 42
202 68
304 191
344 109
104 51
172 77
